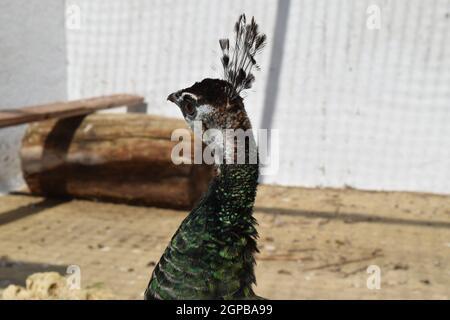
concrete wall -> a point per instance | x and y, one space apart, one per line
32 69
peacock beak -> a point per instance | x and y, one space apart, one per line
174 97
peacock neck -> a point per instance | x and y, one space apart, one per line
233 190
222 230
236 187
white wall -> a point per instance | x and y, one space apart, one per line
153 47
32 69
355 107
366 108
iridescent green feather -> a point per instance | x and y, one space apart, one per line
211 256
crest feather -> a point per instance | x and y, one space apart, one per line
238 66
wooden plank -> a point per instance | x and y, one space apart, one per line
11 117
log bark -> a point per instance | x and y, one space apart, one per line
115 157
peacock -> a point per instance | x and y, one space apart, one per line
211 255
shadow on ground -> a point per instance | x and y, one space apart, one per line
28 210
354 217
16 272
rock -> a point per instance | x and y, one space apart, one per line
52 286
13 292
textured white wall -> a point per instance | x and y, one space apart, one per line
32 69
366 108
154 47
355 107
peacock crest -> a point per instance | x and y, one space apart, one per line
238 61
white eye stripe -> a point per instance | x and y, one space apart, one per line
193 96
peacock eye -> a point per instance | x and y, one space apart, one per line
189 108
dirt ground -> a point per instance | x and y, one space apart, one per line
315 244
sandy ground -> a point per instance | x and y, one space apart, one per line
315 244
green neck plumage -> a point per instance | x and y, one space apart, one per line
211 256
233 191
236 188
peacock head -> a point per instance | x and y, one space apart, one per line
217 103
210 103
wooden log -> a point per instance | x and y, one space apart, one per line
114 157
11 117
